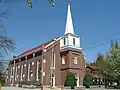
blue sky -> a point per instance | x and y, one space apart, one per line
94 21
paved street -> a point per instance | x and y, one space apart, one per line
14 88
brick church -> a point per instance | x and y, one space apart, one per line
51 62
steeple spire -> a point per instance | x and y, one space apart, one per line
69 23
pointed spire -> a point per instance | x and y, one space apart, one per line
69 23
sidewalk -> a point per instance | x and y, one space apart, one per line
15 88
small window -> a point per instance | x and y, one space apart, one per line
75 60
32 63
44 61
64 41
24 65
63 60
23 75
73 41
43 73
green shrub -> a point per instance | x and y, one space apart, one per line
0 81
70 80
87 82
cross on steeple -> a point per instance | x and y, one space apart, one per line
68 1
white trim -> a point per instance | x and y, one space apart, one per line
29 71
52 42
38 63
71 46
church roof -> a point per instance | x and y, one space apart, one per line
36 48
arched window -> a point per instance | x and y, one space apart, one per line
75 60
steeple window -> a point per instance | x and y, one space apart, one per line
73 41
64 41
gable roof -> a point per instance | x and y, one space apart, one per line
35 48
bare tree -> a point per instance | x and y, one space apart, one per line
6 45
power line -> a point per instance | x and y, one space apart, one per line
99 44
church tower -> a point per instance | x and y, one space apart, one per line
72 57
70 41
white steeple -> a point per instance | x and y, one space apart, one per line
69 41
69 23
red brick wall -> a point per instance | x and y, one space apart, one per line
60 74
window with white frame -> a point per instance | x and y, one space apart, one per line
38 70
75 60
63 60
53 59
